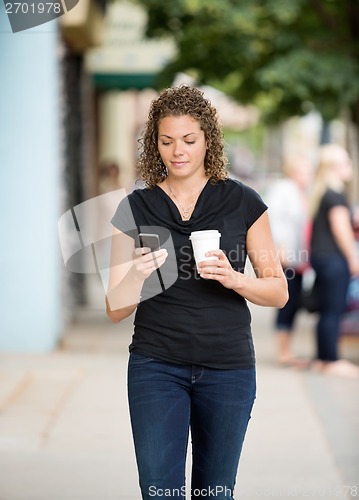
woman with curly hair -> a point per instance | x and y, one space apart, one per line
192 364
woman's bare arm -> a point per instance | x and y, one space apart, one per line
269 287
340 225
128 270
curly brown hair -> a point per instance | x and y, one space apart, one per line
179 101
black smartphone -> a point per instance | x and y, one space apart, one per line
149 240
152 241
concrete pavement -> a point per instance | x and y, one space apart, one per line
65 434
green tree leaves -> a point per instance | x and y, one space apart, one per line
284 56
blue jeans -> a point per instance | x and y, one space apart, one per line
333 281
166 400
286 315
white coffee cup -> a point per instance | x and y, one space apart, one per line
203 242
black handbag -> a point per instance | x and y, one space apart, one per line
310 297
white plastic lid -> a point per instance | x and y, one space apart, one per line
210 233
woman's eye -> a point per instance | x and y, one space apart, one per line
166 143
189 142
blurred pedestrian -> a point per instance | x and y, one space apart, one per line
191 364
287 199
333 254
109 178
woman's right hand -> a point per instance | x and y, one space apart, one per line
145 262
354 267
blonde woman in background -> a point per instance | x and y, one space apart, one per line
287 200
333 254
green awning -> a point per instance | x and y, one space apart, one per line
113 81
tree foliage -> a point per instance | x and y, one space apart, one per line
285 56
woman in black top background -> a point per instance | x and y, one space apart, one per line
333 254
192 363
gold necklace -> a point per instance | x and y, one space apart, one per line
186 214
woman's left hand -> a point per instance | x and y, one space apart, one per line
219 270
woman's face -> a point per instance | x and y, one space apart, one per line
302 173
342 166
182 145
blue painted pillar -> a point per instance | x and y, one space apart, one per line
30 263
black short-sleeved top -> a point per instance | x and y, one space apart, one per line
194 320
323 242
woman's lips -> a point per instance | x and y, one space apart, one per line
178 163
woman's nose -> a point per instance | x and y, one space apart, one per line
178 151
